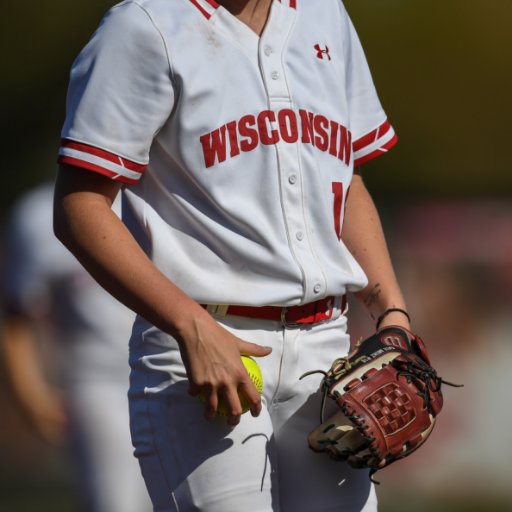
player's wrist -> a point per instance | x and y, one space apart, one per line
393 316
190 323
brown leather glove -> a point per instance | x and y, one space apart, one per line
388 396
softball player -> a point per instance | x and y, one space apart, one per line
234 129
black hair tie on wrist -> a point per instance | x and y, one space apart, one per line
387 312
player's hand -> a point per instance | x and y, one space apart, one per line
211 355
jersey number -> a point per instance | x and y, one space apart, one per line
337 190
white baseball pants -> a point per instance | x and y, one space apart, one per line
263 464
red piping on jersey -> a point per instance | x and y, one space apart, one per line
68 160
105 155
203 11
291 3
377 152
372 136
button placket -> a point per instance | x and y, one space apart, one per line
273 44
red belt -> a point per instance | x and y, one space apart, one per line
292 316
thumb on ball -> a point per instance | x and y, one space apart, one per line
252 349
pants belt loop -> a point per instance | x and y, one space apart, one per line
217 309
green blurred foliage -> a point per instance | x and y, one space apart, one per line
39 40
442 68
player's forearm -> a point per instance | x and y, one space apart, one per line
363 236
85 223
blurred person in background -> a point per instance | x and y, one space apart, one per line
79 395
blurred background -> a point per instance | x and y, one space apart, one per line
443 72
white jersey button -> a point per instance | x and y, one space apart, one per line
292 179
274 75
317 288
299 235
268 50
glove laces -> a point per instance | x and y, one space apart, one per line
423 376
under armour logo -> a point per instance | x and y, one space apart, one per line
321 52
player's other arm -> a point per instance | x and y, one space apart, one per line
364 237
86 224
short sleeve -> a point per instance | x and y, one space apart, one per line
120 95
372 133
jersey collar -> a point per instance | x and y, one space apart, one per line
208 7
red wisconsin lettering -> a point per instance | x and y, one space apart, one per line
250 131
214 146
245 128
333 141
321 124
287 121
233 139
345 150
267 136
306 121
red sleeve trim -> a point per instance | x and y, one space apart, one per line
96 168
80 154
372 136
105 155
374 154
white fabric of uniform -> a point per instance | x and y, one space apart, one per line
158 78
44 283
263 464
237 154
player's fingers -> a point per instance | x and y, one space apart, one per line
193 389
246 348
233 406
211 402
251 396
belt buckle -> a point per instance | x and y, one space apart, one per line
285 323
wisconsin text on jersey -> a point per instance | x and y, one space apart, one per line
269 127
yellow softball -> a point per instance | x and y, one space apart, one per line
254 372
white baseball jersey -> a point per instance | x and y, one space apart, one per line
237 151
